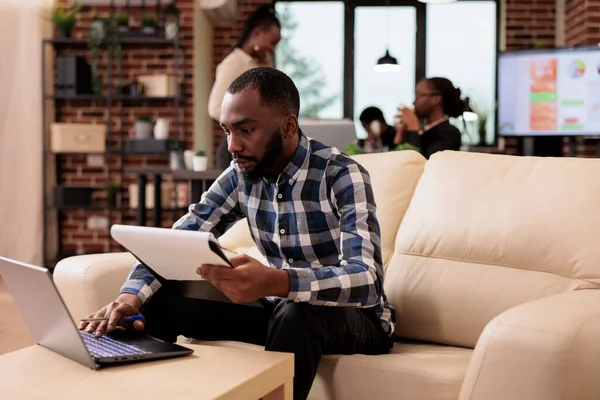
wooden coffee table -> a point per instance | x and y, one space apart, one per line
211 372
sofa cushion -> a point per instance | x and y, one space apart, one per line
411 371
394 176
484 233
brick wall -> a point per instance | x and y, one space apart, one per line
582 22
76 237
530 23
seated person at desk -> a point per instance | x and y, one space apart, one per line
436 99
380 135
311 212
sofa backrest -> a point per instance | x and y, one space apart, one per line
394 176
484 233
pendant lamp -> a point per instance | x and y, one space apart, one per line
387 63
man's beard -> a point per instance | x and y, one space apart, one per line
263 167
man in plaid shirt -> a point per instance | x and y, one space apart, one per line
311 213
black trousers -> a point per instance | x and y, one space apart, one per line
307 331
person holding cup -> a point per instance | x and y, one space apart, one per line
436 99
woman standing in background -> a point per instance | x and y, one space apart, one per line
256 46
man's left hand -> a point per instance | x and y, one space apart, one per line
248 280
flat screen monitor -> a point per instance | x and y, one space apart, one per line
549 92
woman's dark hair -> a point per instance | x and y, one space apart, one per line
452 103
371 114
263 16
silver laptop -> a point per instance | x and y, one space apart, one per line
52 327
336 133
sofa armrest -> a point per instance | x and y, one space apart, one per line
547 349
89 282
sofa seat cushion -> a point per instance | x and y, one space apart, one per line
411 371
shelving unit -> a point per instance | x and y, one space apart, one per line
114 157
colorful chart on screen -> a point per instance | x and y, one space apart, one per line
549 92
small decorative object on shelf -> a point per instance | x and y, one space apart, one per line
122 87
177 161
149 23
200 161
158 85
161 129
122 21
98 27
171 21
64 20
113 189
143 127
73 75
188 158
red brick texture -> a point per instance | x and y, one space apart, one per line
582 22
530 23
74 169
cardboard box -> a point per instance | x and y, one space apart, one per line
77 138
158 85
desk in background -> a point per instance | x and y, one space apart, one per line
199 182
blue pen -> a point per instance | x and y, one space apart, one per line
130 318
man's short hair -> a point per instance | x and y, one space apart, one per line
371 114
276 89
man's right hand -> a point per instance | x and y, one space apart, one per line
125 305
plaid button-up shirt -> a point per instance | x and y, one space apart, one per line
317 221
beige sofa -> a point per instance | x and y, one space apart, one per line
492 263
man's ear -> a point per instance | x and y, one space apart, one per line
290 126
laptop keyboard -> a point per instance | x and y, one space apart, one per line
105 346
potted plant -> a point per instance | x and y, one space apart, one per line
113 188
149 23
143 127
482 119
64 20
405 146
200 161
353 149
122 21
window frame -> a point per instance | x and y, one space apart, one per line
420 46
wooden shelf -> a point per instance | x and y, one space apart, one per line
123 40
149 171
187 175
116 97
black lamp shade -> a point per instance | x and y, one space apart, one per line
387 59
387 63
